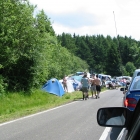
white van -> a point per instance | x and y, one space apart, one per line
105 76
124 77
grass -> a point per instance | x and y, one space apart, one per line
16 105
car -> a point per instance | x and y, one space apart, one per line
130 124
110 85
131 94
136 73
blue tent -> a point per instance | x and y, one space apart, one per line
53 86
78 78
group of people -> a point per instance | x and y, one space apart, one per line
93 84
95 87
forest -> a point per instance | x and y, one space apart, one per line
114 56
31 51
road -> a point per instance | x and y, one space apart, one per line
74 121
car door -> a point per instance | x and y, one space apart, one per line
131 126
134 126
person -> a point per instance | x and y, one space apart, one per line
111 85
123 82
126 87
93 85
98 86
119 120
116 84
103 80
65 84
85 85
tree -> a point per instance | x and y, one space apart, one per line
113 64
130 68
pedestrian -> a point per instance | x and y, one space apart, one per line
98 86
93 85
85 85
103 81
65 84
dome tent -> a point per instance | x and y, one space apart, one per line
53 86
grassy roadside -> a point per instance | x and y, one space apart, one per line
16 105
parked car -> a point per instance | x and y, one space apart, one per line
112 117
136 73
131 93
110 85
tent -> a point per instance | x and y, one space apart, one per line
69 85
88 74
76 84
78 78
53 86
79 73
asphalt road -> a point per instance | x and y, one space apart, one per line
74 121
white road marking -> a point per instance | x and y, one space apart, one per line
106 133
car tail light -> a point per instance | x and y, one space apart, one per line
130 102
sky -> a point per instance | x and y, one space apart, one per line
93 17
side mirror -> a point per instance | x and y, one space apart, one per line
113 117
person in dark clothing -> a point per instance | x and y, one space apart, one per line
98 86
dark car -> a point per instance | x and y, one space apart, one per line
121 117
131 94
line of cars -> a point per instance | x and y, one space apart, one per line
128 116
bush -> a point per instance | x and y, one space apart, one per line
3 86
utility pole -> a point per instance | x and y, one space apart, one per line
118 45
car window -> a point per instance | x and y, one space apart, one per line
138 74
136 84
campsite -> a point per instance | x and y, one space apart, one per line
55 86
38 100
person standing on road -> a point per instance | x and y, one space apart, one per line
98 86
85 85
93 85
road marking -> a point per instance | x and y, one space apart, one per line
106 133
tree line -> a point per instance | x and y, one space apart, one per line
115 56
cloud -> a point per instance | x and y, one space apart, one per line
75 20
93 17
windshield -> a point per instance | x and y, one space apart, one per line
136 84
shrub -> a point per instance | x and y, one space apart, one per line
2 86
